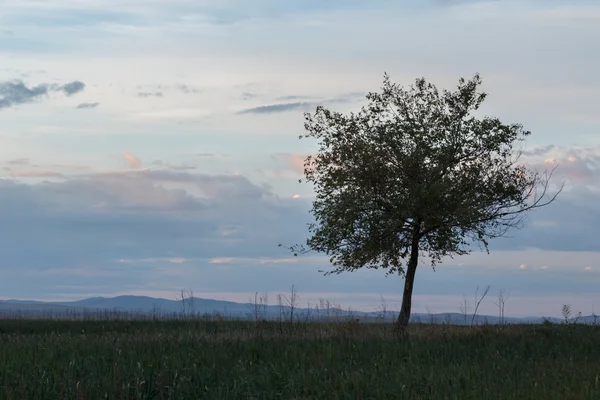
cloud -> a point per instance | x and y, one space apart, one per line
177 114
296 162
113 193
187 89
567 223
277 108
36 174
150 94
539 150
19 161
176 260
71 168
150 217
87 105
295 97
348 97
16 92
248 96
131 160
110 216
578 165
159 90
222 260
212 155
279 261
291 161
72 87
174 167
24 168
301 105
209 215
457 2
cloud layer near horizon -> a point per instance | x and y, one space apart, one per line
122 222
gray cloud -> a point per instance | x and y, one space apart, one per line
158 90
72 87
150 94
347 97
294 97
301 105
568 224
161 198
16 92
212 155
169 166
88 105
187 89
158 214
103 217
248 96
277 108
19 161
539 150
35 173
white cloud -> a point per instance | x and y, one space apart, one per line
279 260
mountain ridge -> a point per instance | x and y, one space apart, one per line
165 307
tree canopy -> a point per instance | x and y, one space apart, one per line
412 172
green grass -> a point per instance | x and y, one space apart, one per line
240 360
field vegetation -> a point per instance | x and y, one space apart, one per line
216 358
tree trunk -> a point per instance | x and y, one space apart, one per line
411 269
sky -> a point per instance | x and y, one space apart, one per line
152 146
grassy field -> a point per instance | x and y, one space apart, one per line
243 360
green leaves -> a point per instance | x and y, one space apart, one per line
414 160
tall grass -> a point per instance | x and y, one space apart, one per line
224 359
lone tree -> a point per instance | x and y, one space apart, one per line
415 172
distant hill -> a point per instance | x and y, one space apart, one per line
164 308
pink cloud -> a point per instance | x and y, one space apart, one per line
577 164
221 260
228 230
296 162
131 160
172 260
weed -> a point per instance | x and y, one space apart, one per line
233 359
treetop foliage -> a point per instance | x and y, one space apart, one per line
415 166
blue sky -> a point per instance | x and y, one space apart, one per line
150 146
